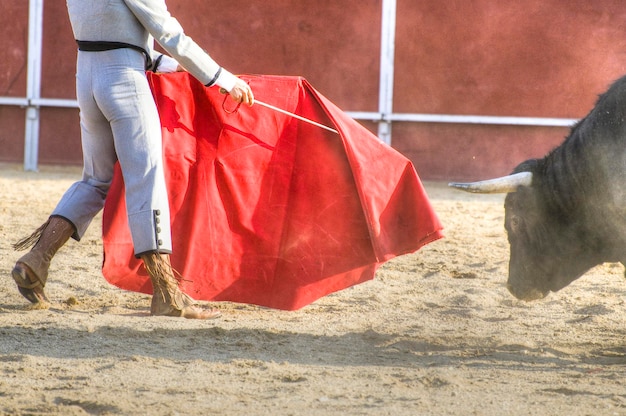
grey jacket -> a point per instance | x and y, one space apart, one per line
140 22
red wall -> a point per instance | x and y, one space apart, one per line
13 56
538 58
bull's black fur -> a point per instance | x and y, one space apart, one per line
573 216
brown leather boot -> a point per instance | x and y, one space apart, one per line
167 298
31 270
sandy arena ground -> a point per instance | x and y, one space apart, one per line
436 333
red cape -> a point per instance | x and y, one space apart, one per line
266 209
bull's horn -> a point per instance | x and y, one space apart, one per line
501 185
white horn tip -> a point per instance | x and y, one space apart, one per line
504 184
467 187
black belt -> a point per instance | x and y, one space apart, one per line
100 46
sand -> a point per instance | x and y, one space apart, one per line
435 333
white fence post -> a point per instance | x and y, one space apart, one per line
33 84
387 52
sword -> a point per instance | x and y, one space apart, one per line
290 114
306 120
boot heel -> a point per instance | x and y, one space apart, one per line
32 291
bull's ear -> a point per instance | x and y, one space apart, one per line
501 185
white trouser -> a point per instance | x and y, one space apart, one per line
119 121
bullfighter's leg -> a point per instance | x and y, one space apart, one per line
135 124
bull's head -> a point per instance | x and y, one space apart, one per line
537 264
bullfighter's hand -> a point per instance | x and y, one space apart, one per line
242 93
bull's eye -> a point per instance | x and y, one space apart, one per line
516 223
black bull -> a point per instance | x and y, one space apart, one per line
566 213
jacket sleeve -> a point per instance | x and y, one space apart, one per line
168 32
163 63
